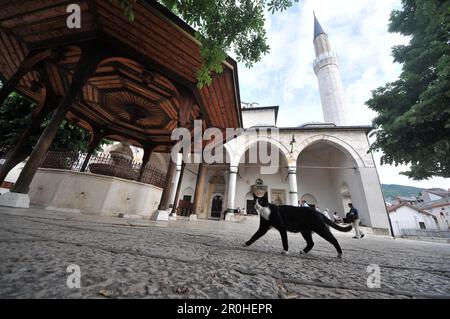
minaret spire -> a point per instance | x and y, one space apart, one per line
317 27
330 84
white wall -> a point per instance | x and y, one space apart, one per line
247 177
258 117
407 218
443 220
93 194
189 180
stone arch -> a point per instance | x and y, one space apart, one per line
332 140
243 149
119 138
188 191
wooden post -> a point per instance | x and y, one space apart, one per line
199 186
148 150
177 194
42 110
164 203
86 67
97 138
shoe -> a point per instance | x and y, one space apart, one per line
362 235
355 237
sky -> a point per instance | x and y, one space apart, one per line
357 30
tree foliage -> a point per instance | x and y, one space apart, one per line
223 26
413 122
15 116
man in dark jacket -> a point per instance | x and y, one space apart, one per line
353 218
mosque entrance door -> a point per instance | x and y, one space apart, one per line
216 207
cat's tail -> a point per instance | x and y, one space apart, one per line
335 226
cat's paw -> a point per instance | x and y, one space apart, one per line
302 252
339 256
285 252
244 245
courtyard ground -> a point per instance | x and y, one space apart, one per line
132 258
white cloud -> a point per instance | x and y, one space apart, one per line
358 33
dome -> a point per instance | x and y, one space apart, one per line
122 150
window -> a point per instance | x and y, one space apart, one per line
422 225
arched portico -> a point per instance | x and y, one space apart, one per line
331 140
328 169
261 161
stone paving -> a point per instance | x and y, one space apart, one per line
131 258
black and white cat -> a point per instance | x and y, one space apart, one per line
304 220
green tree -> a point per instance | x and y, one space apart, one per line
15 116
223 26
413 121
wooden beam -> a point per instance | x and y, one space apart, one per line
89 60
30 61
186 104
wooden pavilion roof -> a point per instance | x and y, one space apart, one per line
135 92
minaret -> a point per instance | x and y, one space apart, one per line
330 84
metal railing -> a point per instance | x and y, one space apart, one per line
425 233
104 164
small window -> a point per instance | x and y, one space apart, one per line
422 225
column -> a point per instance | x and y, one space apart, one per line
178 185
174 183
167 191
232 179
199 187
293 193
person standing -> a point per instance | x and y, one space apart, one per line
353 218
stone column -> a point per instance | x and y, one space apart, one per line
174 184
372 209
232 190
199 187
180 168
293 194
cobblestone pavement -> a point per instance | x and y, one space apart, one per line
122 258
